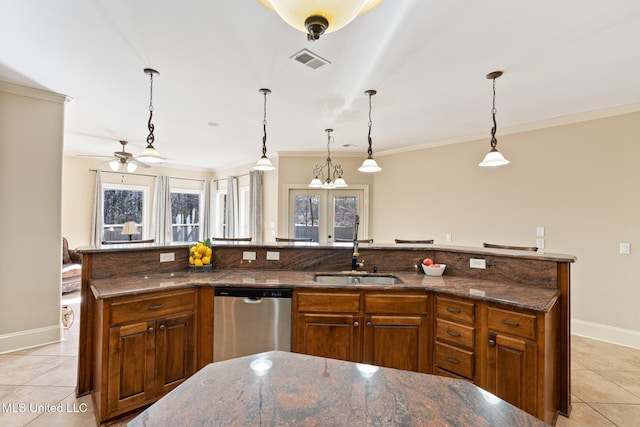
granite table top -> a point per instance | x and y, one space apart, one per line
287 389
537 298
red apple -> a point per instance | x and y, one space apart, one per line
435 266
428 262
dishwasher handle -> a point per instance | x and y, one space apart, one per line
252 300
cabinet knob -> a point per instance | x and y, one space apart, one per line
162 327
369 324
150 330
492 343
356 324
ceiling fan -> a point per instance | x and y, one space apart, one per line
125 161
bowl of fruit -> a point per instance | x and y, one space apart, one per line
430 268
200 255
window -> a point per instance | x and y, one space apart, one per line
185 215
123 203
243 220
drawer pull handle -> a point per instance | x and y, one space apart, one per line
356 324
453 310
506 322
450 360
453 334
156 307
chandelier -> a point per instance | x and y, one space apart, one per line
334 173
318 17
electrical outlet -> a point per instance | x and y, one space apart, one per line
171 256
448 237
477 263
273 256
540 243
248 256
625 248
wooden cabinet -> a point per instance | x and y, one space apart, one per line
520 356
455 332
389 329
146 348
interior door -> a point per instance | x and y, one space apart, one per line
324 215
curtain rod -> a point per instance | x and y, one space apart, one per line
172 177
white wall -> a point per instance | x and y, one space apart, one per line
31 129
580 181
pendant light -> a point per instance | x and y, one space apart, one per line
494 157
316 17
150 154
369 165
263 163
334 173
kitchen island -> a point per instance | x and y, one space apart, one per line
503 327
280 388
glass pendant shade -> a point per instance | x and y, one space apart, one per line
315 183
150 155
340 182
338 13
131 167
264 164
369 166
493 158
114 165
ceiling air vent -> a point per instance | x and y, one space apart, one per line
309 59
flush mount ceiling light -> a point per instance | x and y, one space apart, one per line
150 154
318 17
334 173
263 163
494 157
369 165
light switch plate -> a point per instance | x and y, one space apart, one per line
250 256
540 243
539 231
477 263
171 256
273 256
625 248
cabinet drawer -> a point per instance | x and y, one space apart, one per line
329 302
454 360
136 309
511 322
394 304
455 334
458 311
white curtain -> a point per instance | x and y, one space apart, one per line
206 219
161 214
255 205
98 212
232 207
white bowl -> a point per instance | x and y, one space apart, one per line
434 271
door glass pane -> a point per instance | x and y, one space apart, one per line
185 216
345 209
306 217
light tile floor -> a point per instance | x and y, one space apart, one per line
605 384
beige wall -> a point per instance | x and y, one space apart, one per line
579 181
31 128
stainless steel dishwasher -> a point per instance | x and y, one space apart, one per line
250 320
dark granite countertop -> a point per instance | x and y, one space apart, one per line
538 298
286 389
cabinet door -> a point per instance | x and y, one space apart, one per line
131 366
399 342
328 335
511 370
175 352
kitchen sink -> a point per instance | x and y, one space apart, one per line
355 278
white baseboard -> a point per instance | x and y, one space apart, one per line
611 334
30 338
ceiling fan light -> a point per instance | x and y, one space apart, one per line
114 165
493 158
264 164
150 155
369 166
131 167
315 183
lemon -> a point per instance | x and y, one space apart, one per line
206 260
191 260
208 253
198 263
202 249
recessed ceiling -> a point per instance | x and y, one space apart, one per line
427 59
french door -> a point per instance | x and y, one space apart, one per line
327 215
